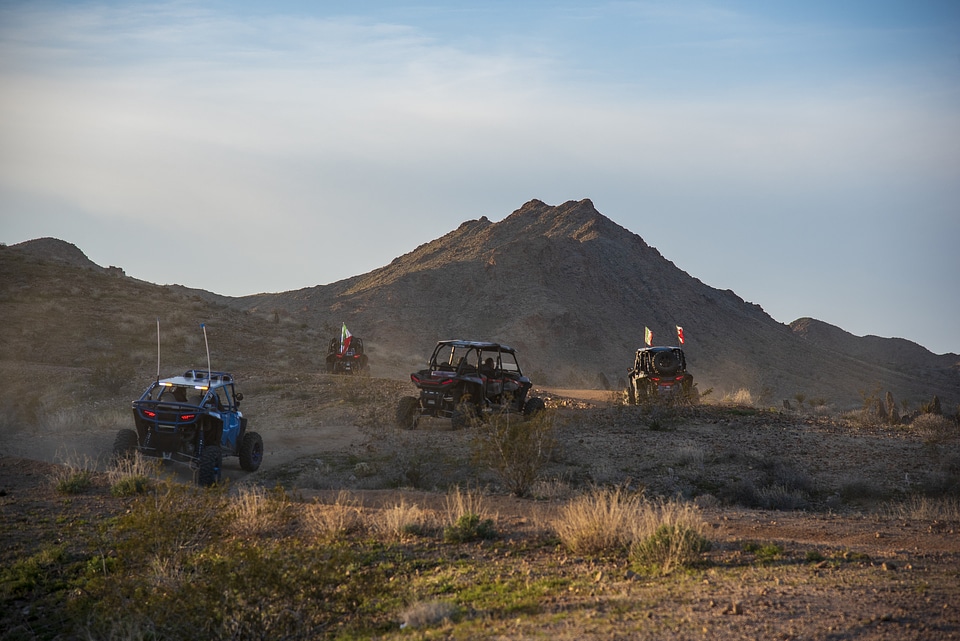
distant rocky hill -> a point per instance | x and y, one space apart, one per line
573 291
56 250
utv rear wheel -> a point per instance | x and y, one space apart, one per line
533 406
251 451
631 395
407 412
208 472
125 444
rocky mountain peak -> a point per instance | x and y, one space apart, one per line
54 249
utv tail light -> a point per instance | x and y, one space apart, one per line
149 413
187 417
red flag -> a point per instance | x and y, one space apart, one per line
680 334
647 336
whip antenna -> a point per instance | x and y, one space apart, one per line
204 327
158 349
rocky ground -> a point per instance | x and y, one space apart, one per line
819 527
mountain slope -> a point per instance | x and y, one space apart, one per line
573 291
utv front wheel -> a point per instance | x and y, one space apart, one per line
125 444
209 471
251 451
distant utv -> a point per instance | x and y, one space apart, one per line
347 358
660 374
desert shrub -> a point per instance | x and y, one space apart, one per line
110 374
22 576
922 508
256 511
427 613
857 489
515 449
765 553
131 486
551 489
469 527
416 466
400 521
779 473
75 482
779 497
669 547
598 522
690 456
741 397
459 502
75 474
130 475
666 535
935 428
466 517
343 517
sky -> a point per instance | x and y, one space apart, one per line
805 155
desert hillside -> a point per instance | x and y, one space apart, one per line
573 291
568 287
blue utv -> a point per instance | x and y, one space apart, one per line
194 419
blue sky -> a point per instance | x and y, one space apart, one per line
805 155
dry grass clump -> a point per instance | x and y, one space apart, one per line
427 613
741 397
130 475
400 521
257 511
74 474
466 517
460 503
922 508
668 535
659 535
344 516
600 521
551 489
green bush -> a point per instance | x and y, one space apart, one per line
515 449
76 482
469 527
131 486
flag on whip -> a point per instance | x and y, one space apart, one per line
647 336
345 337
680 334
